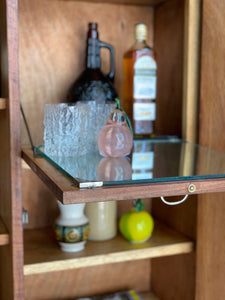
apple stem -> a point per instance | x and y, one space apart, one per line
139 205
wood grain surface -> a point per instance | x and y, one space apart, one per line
49 257
192 46
174 277
38 200
169 46
211 238
2 103
4 235
65 191
211 117
48 30
126 2
149 296
88 281
52 41
11 255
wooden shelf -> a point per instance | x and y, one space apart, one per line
4 236
42 253
65 190
2 103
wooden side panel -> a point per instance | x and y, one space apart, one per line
172 277
11 256
192 44
210 248
211 221
212 106
4 235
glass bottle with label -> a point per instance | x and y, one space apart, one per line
140 84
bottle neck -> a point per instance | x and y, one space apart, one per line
140 44
93 54
93 49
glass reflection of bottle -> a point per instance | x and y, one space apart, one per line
140 84
102 216
114 169
142 160
92 84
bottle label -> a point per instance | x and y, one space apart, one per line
145 78
144 111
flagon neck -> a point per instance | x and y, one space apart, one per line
93 49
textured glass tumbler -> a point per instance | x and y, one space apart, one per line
72 130
66 129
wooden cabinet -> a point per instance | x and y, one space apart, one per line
42 52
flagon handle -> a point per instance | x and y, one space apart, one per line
112 68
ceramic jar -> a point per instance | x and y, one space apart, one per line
72 227
103 215
103 220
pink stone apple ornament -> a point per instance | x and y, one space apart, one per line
115 138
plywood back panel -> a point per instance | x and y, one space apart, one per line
168 43
52 40
171 277
52 44
88 281
38 201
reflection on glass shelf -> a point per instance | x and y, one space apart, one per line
142 160
150 161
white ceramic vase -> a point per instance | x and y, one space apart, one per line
71 227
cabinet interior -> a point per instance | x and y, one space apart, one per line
52 41
4 235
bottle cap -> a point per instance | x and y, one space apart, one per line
93 30
141 31
93 25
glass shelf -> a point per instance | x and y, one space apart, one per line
151 161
